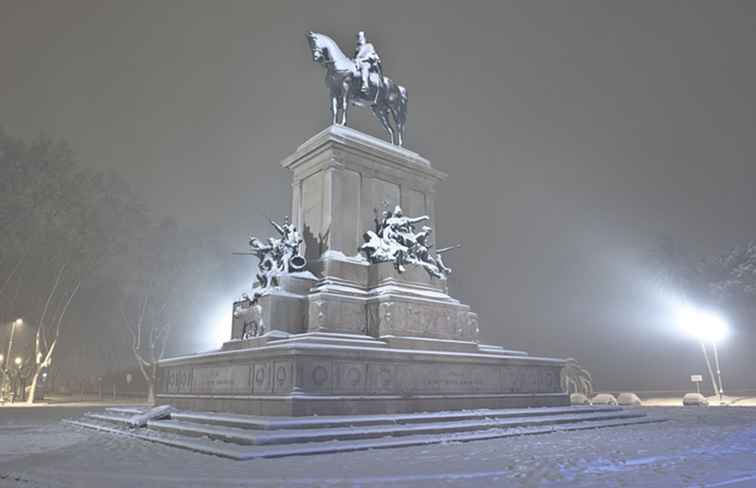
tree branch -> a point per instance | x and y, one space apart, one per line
15 269
40 326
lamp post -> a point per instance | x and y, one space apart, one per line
18 321
719 372
3 379
19 387
707 327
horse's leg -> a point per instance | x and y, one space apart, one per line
399 123
399 111
396 137
334 109
344 102
399 135
382 115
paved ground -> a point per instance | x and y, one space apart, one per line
714 447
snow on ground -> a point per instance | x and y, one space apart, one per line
713 447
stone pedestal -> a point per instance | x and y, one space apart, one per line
310 375
351 337
283 310
341 177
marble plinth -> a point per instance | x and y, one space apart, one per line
337 374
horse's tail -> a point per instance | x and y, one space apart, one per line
402 109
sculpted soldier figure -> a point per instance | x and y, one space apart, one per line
366 58
276 257
396 241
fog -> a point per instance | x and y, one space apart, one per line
575 136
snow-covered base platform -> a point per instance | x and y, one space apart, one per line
350 374
248 437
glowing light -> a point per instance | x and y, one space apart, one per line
19 321
704 325
219 330
18 361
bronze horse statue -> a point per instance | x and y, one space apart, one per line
386 98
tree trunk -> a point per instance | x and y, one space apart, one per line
47 362
151 392
33 386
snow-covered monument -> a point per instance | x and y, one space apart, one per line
354 316
350 311
348 338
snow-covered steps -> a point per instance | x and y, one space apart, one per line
127 410
322 422
109 416
241 437
298 436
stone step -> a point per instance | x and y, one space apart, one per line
295 436
126 410
238 452
109 417
274 423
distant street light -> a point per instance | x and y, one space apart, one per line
18 361
18 321
706 326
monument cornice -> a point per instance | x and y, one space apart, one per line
297 347
338 146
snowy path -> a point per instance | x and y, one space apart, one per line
714 447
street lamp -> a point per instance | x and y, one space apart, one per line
706 327
18 361
18 321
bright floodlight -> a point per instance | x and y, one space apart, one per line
19 321
704 325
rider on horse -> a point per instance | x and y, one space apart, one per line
366 58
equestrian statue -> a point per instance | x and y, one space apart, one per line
360 81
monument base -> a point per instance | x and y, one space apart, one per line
344 374
354 332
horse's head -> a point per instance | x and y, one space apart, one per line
318 47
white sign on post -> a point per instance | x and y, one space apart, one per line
697 379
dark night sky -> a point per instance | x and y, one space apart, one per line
575 134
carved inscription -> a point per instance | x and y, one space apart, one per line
221 379
354 377
420 320
177 380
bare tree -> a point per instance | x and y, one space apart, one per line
64 222
717 279
46 337
738 278
169 259
149 337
